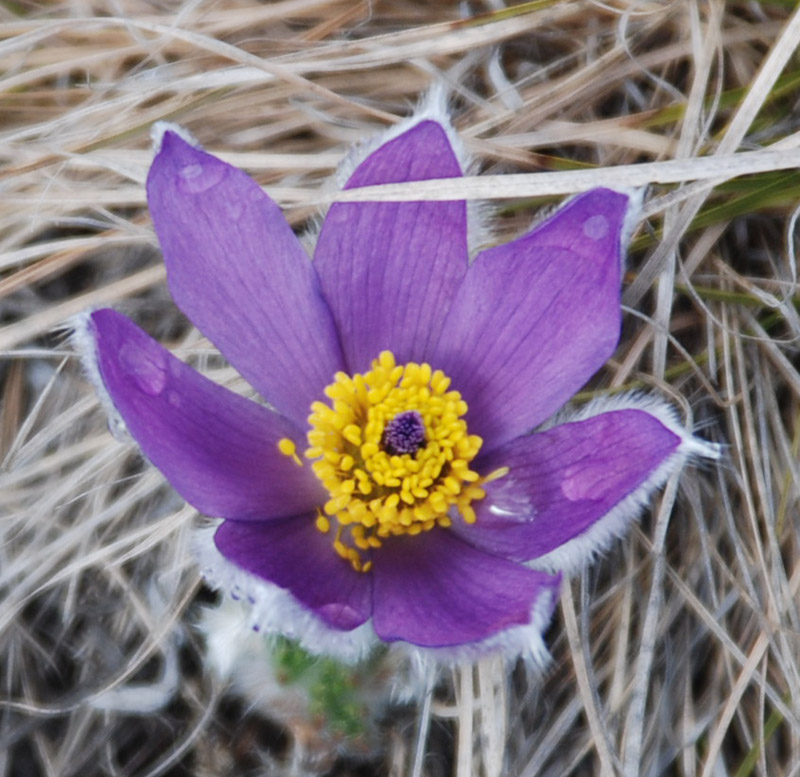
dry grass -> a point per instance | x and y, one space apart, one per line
676 655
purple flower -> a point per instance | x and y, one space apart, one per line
392 487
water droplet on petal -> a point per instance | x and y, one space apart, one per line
583 482
341 614
147 367
507 501
197 177
235 209
174 398
191 171
596 227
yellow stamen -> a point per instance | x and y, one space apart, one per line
379 489
323 524
496 474
288 448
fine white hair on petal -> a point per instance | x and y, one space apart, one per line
432 107
273 610
525 641
574 555
84 344
633 215
665 412
160 128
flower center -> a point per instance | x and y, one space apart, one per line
405 433
392 449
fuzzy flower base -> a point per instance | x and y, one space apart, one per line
329 709
392 490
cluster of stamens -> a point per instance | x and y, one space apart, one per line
392 449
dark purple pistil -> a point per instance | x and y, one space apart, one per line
405 433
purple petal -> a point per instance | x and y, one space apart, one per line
293 555
582 479
536 318
238 272
219 450
390 270
434 590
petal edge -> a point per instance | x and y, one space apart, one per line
567 497
535 318
436 591
389 270
218 449
236 269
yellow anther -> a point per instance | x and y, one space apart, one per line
452 485
289 449
337 504
323 524
501 472
365 487
468 514
352 434
361 543
370 449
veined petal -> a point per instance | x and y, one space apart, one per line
536 318
390 270
573 488
293 555
434 590
219 450
236 269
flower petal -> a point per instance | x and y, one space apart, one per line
575 487
434 590
536 318
389 270
292 554
219 450
236 269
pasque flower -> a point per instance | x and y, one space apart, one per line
392 487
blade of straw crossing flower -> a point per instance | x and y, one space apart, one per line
718 168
